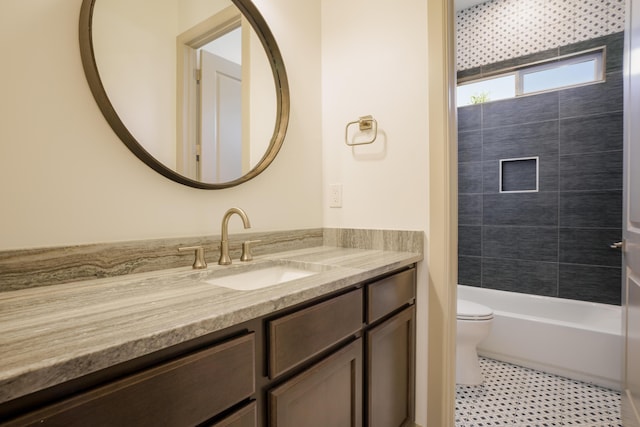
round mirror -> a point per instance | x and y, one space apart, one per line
196 89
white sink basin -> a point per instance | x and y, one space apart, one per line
260 278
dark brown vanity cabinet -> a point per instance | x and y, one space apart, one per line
186 391
344 359
390 351
369 381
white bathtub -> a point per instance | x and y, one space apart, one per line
574 339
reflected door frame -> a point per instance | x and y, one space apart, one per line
219 144
187 45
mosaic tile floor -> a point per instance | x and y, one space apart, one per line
516 396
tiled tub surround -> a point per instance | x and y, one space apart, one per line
554 242
53 334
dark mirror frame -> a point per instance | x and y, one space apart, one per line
251 13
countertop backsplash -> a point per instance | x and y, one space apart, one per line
29 268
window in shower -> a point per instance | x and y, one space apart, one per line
519 175
572 71
489 89
559 73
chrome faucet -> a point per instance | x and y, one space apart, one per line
224 242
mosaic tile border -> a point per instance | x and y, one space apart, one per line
498 30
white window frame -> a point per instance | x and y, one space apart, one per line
598 54
495 77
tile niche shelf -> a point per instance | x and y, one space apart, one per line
519 175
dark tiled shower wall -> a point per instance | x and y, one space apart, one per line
555 241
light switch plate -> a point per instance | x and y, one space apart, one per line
335 195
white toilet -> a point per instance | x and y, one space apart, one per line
473 323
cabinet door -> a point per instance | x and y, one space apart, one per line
327 394
390 370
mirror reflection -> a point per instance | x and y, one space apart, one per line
191 82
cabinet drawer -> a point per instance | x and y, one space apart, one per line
301 335
185 391
245 417
390 293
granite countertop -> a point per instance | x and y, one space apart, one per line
53 334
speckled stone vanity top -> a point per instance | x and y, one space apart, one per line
52 334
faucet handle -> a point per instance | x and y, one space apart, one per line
199 262
246 250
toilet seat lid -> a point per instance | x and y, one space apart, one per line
468 310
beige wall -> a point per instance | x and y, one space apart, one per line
65 178
374 61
